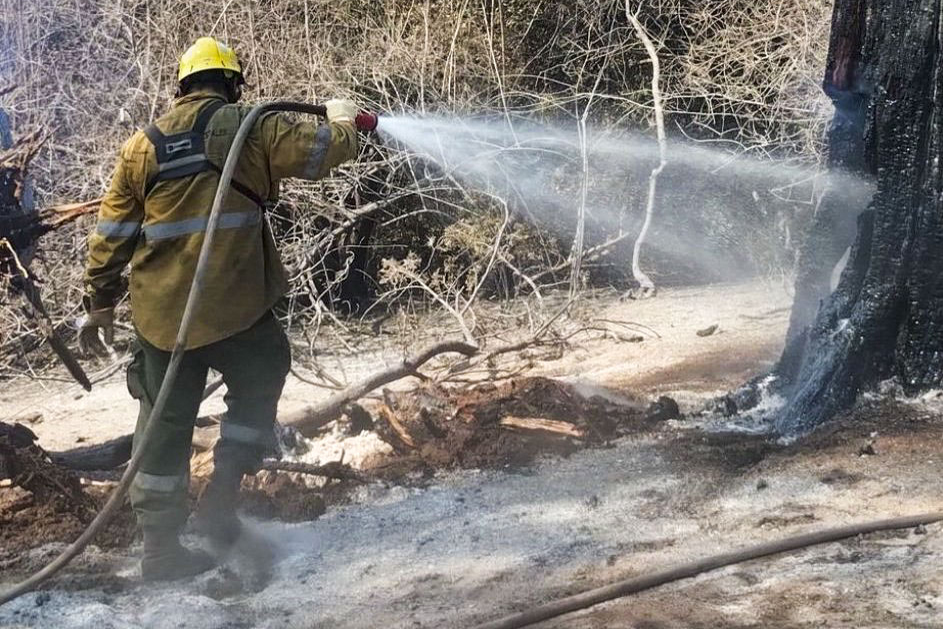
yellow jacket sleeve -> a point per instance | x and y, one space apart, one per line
112 244
307 150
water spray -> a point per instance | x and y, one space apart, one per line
716 210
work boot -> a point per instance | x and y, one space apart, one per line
166 559
216 517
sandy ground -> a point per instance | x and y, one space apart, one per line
751 320
465 547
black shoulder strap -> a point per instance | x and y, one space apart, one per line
183 154
205 114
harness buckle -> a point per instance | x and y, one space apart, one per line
176 147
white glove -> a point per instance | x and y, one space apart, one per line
339 110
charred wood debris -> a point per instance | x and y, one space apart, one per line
21 226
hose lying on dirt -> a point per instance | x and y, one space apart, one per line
196 288
687 570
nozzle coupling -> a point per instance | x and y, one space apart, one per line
366 121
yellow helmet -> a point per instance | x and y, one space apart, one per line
207 53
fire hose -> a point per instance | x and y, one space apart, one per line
687 570
365 121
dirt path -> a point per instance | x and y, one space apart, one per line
751 319
751 322
460 548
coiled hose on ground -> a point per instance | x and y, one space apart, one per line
193 299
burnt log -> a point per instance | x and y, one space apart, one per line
102 456
885 318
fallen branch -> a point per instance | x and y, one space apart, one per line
536 424
332 385
534 340
312 418
646 286
334 469
46 325
58 215
116 452
102 456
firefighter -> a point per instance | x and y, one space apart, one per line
154 217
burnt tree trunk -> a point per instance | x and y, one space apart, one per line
832 230
885 319
847 192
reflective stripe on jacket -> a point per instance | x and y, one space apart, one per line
160 235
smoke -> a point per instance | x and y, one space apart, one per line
718 214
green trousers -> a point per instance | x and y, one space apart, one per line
253 364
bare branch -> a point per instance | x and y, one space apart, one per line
310 419
645 283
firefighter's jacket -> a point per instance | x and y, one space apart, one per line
157 223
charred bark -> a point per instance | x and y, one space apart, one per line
885 319
102 456
832 229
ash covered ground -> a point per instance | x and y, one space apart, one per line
455 547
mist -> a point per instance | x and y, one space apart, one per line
719 214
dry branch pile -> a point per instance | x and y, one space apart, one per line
502 425
738 73
431 427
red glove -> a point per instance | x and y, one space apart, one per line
366 121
